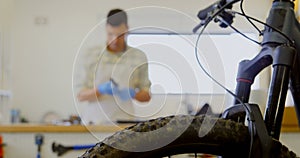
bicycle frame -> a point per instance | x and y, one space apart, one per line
283 55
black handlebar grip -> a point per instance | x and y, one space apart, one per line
204 12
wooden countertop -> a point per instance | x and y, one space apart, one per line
25 128
29 128
289 124
287 129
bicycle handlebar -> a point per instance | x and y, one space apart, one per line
206 14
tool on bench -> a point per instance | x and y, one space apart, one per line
60 149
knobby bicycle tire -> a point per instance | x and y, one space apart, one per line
226 138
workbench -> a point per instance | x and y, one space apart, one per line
19 138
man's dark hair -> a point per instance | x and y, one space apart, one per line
116 17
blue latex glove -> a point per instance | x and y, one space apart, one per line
107 88
126 94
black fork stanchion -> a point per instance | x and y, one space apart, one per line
283 61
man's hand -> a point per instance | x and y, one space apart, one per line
126 94
129 93
88 95
142 96
107 88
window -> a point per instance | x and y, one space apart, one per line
173 67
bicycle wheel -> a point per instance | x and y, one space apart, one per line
224 138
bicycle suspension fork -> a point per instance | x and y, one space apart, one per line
283 62
283 18
283 59
247 71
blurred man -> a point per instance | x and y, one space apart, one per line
119 74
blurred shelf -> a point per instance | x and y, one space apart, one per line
26 128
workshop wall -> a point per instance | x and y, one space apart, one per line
46 34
